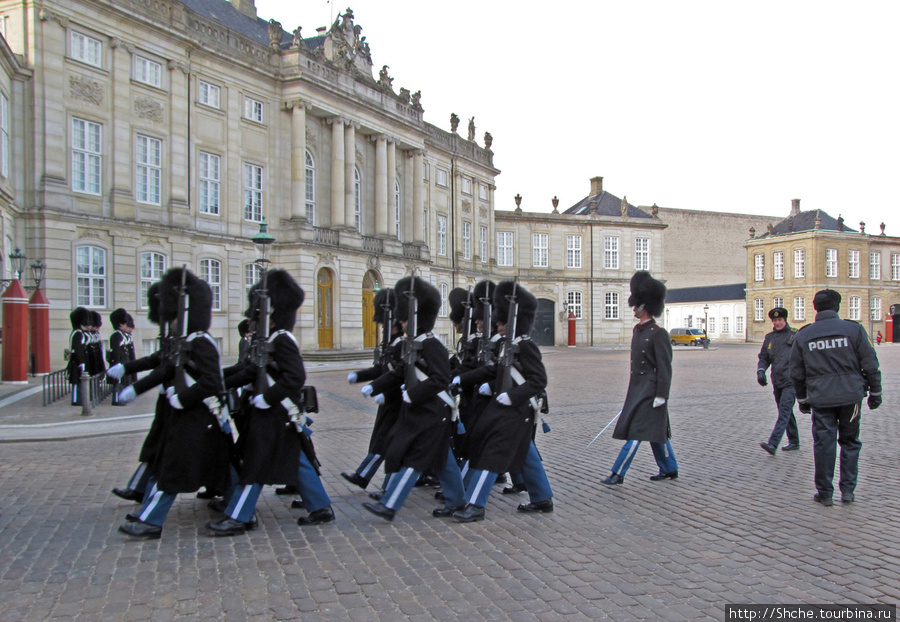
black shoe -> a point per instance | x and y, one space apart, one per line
287 490
209 493
226 527
139 529
428 480
297 504
376 495
613 479
501 479
439 495
826 501
514 489
356 479
790 447
769 447
469 514
445 511
319 517
218 505
847 497
541 506
131 517
128 494
379 509
659 476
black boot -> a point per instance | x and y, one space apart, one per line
356 479
379 509
469 514
541 506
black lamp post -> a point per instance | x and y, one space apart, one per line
705 327
37 271
17 260
262 241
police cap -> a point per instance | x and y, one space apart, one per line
778 312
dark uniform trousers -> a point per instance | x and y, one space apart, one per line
787 422
844 420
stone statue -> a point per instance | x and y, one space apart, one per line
404 95
454 122
770 228
384 79
840 223
654 211
416 100
471 129
488 140
624 207
882 228
297 41
275 33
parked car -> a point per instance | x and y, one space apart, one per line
687 336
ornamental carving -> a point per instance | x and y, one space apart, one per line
483 212
86 89
374 263
153 242
466 207
311 139
543 289
46 14
327 258
149 108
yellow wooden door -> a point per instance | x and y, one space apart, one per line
370 330
324 304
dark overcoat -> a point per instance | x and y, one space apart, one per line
78 355
389 411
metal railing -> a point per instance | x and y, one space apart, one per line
56 386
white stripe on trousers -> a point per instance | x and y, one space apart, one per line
478 486
155 494
405 474
245 490
368 465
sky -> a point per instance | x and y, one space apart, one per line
701 105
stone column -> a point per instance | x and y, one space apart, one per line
349 178
337 172
407 196
121 196
297 109
381 185
179 183
418 233
391 180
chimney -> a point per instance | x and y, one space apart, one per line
247 7
596 186
795 207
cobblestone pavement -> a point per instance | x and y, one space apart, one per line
737 526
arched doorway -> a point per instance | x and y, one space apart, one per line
325 308
544 320
370 330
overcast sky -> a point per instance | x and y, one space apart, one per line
702 105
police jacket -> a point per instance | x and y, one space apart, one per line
833 363
776 352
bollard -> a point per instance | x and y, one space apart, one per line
84 387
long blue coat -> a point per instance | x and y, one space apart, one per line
651 377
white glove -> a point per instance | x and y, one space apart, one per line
259 401
658 401
379 399
455 381
503 398
127 395
367 390
174 401
170 391
351 377
406 398
116 371
485 389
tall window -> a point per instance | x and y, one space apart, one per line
611 253
153 265
799 308
253 109
441 235
85 49
759 310
253 186
148 162
86 156
574 304
90 273
210 95
739 324
895 266
147 71
357 200
310 189
482 192
573 251
466 185
209 183
504 248
876 309
483 244
799 263
854 308
853 262
252 274
611 306
540 255
425 170
398 205
725 327
441 179
642 253
211 272
467 239
875 266
778 302
759 267
444 305
4 135
711 325
778 265
831 262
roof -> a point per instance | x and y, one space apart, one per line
806 221
607 205
709 293
226 14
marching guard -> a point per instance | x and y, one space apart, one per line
78 350
121 350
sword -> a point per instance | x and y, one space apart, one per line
601 432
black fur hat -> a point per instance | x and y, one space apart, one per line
79 317
457 299
647 291
129 321
285 297
96 320
153 302
384 298
199 299
527 307
484 289
827 300
429 303
118 317
243 327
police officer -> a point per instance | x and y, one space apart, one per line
833 366
776 352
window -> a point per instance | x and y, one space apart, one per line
759 310
253 192
208 192
725 323
4 135
153 265
441 178
467 239
712 325
573 251
253 109
211 272
466 185
853 261
310 189
398 206
759 267
86 156
357 200
895 266
739 324
799 263
252 274
147 71
90 272
540 255
876 309
85 49
210 95
573 304
148 174
831 262
482 192
854 308
611 306
611 253
799 309
875 266
444 306
504 248
642 253
441 235
425 171
483 244
778 302
778 265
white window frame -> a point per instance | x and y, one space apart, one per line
711 324
445 307
357 199
209 94
441 235
759 267
799 263
854 312
398 209
853 264
875 266
611 306
147 71
87 156
540 257
85 49
895 266
252 274
573 251
875 311
611 252
254 109
441 177
778 302
575 304
831 263
426 169
152 267
725 325
483 243
4 135
778 265
90 288
208 174
642 253
310 189
800 309
147 169
467 239
505 248
253 192
739 324
482 192
466 186
759 310
211 272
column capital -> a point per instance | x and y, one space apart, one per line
116 43
185 67
46 14
376 137
296 103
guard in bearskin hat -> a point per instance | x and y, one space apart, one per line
645 415
465 359
776 352
274 446
389 364
95 348
78 350
421 436
121 349
502 436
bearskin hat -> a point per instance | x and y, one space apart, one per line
118 317
484 289
243 327
827 300
428 300
457 299
647 291
285 297
199 299
527 307
153 302
129 321
384 298
79 317
96 320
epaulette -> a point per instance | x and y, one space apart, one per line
802 327
794 330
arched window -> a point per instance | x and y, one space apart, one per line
211 272
90 273
357 200
397 207
310 188
153 265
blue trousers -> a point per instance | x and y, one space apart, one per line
480 482
785 398
665 457
139 479
156 504
841 424
403 481
369 466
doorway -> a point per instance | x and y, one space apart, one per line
325 308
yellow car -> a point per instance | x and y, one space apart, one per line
687 336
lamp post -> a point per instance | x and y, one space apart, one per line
705 327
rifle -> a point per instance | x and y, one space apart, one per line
510 348
178 346
261 348
388 320
467 324
485 345
411 346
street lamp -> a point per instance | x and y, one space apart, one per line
37 271
705 327
17 261
262 241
